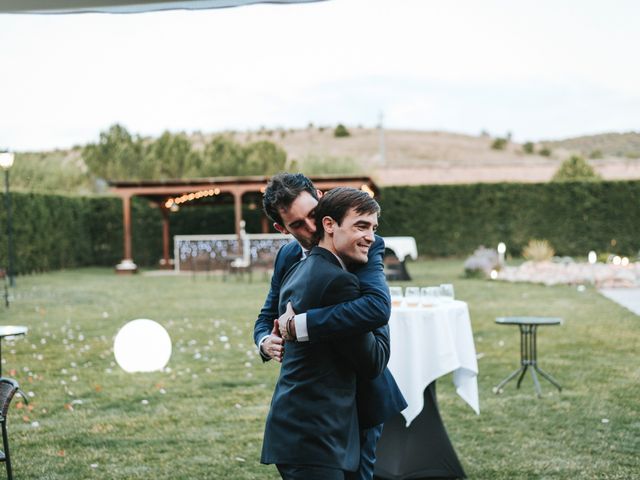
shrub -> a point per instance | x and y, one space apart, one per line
545 152
499 144
341 131
528 147
575 169
538 250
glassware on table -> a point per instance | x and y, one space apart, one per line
429 296
412 296
396 296
446 292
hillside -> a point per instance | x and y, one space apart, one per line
403 148
410 157
422 157
625 145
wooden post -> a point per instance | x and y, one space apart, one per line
237 203
165 263
126 265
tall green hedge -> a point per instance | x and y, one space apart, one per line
52 232
55 232
575 217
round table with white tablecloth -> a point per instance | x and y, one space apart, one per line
427 343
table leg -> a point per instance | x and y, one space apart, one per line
524 370
549 378
536 383
504 382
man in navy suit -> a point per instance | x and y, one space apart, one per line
312 430
290 201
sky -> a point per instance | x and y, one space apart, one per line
544 69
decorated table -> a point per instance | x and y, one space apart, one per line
427 343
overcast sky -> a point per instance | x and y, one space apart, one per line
540 69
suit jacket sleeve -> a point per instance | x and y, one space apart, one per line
269 311
365 314
366 353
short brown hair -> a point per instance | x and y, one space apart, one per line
338 201
281 192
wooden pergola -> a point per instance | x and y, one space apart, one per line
170 194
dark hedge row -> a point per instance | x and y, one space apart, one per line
574 217
54 232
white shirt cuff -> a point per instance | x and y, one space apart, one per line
302 334
260 346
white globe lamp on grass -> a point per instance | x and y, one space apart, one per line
142 346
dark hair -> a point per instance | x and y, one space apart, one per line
338 201
282 190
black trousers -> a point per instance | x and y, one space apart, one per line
308 472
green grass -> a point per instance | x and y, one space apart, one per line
204 418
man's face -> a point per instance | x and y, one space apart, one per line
353 238
299 221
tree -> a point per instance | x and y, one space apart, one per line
171 156
264 158
222 157
528 147
117 155
575 168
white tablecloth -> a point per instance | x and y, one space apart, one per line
427 343
402 246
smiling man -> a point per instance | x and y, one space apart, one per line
312 429
290 201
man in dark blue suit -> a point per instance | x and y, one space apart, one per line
290 201
312 430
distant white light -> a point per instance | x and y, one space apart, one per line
624 262
617 260
593 257
494 274
502 248
142 346
6 159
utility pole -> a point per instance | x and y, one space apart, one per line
381 146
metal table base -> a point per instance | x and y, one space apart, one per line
528 351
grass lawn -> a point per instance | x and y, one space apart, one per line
204 417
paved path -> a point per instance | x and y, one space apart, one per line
627 297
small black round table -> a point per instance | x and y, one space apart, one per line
528 350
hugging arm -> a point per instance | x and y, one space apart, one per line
364 314
263 329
